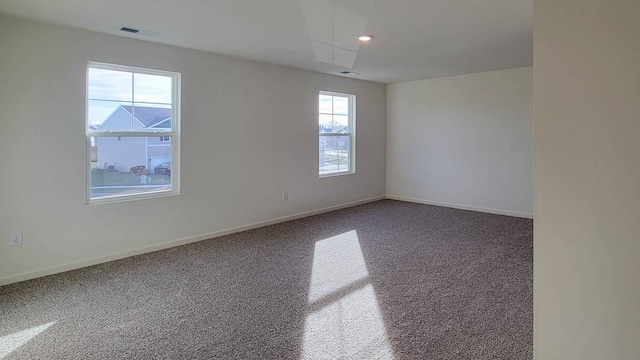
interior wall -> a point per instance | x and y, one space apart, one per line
587 207
463 141
249 133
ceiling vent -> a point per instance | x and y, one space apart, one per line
349 73
129 30
140 31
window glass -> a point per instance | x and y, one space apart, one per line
124 103
130 165
335 129
334 154
110 85
152 89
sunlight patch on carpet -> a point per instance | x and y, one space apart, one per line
344 318
10 343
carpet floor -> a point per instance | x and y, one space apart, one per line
385 280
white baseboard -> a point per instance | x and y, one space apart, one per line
169 244
462 207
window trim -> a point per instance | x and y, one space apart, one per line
351 133
174 133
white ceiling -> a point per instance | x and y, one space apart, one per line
413 39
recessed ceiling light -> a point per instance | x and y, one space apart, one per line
365 38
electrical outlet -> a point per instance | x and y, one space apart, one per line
285 196
16 239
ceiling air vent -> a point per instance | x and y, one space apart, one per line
140 31
129 30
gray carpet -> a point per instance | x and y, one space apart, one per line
382 280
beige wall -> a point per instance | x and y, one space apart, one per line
249 133
587 180
463 141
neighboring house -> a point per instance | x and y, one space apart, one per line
123 153
94 146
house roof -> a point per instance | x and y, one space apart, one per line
151 117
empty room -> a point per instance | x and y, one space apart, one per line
319 179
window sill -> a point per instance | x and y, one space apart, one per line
133 197
337 174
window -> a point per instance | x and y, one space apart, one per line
336 129
133 132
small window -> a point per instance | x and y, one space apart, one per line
126 109
336 129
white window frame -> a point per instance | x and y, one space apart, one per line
351 133
174 134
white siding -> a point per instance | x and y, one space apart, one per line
123 154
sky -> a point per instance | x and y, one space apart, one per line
337 105
109 89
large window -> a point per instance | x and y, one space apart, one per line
133 132
336 128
